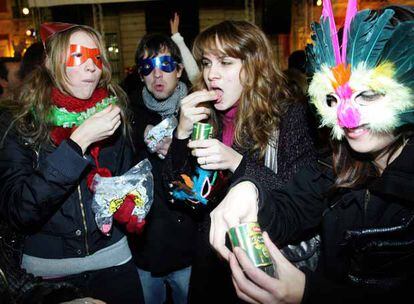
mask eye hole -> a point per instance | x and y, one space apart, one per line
331 100
367 97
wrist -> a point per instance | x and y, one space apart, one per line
182 134
236 163
81 141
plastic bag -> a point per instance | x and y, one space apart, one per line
164 129
110 193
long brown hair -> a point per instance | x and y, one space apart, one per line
32 105
352 169
264 89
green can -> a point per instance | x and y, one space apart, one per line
202 131
249 237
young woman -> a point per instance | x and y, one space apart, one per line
59 133
362 197
259 131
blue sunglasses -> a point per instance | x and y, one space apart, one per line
164 63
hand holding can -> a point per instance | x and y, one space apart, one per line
248 236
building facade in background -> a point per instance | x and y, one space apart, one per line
124 22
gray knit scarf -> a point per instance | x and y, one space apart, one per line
168 106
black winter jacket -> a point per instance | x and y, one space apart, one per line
167 242
44 194
367 233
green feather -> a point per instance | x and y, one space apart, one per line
322 50
400 52
407 117
367 37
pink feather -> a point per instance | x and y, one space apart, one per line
328 12
351 11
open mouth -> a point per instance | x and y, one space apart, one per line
357 132
219 93
159 87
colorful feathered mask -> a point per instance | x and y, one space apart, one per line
369 78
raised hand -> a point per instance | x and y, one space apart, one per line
190 113
212 154
97 127
255 286
174 23
240 205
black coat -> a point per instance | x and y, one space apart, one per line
367 233
167 242
44 194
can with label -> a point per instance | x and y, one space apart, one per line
249 237
202 131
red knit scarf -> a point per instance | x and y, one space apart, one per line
73 104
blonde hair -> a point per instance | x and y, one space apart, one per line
264 89
33 103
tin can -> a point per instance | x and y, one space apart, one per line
202 131
249 237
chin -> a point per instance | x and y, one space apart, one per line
83 95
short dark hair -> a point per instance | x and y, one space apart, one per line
153 44
32 59
4 71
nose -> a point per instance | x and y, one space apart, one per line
348 114
157 72
90 65
213 73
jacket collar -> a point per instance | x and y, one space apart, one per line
397 179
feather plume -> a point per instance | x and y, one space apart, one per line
311 60
322 48
351 10
407 117
327 14
400 52
367 37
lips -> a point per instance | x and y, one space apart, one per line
158 87
219 93
355 133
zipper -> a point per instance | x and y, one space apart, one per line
367 197
3 276
324 163
83 219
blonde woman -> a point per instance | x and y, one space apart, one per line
52 146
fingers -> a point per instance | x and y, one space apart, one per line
238 263
275 253
217 236
203 143
221 220
241 294
198 97
110 111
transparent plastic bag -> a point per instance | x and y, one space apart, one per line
164 129
110 193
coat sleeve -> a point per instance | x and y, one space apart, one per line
31 194
296 149
289 212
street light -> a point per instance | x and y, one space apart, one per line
25 11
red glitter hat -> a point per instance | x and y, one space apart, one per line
48 29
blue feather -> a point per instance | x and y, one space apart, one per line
367 37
